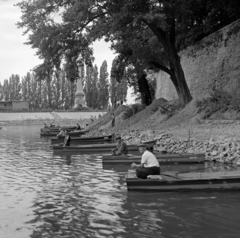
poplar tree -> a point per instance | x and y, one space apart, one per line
117 90
103 85
90 87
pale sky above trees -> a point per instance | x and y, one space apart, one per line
18 58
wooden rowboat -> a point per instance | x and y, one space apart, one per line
173 181
85 140
123 168
72 133
57 129
97 148
94 148
162 158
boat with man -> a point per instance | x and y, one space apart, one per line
76 133
86 140
179 181
167 158
98 148
57 129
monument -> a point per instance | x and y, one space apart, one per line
79 102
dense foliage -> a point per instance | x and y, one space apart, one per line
145 34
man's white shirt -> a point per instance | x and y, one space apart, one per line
149 160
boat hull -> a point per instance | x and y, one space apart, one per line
72 133
162 158
199 181
96 148
85 140
57 129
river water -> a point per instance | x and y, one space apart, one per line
55 196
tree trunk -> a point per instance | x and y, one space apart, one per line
49 92
177 75
144 90
167 40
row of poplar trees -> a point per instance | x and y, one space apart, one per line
58 93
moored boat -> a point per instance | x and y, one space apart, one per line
162 158
71 133
124 167
86 140
176 181
97 148
93 148
57 129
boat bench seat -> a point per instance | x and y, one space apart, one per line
154 177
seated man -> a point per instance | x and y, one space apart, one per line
62 133
149 163
121 148
45 126
78 127
67 140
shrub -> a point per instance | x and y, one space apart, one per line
235 102
134 109
169 108
127 113
219 100
137 108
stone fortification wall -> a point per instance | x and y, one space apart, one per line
214 62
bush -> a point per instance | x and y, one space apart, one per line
169 108
127 113
235 102
137 108
134 109
218 101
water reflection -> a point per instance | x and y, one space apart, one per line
72 195
184 214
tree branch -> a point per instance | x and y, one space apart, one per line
161 67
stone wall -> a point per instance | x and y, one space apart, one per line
212 63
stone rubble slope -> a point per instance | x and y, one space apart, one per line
184 132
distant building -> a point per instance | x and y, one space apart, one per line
14 105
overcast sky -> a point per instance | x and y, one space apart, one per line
18 58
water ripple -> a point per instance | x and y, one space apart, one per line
56 196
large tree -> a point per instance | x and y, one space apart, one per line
171 23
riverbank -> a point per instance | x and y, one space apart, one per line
183 132
186 131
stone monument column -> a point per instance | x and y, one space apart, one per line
79 102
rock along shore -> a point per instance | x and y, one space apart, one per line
218 139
